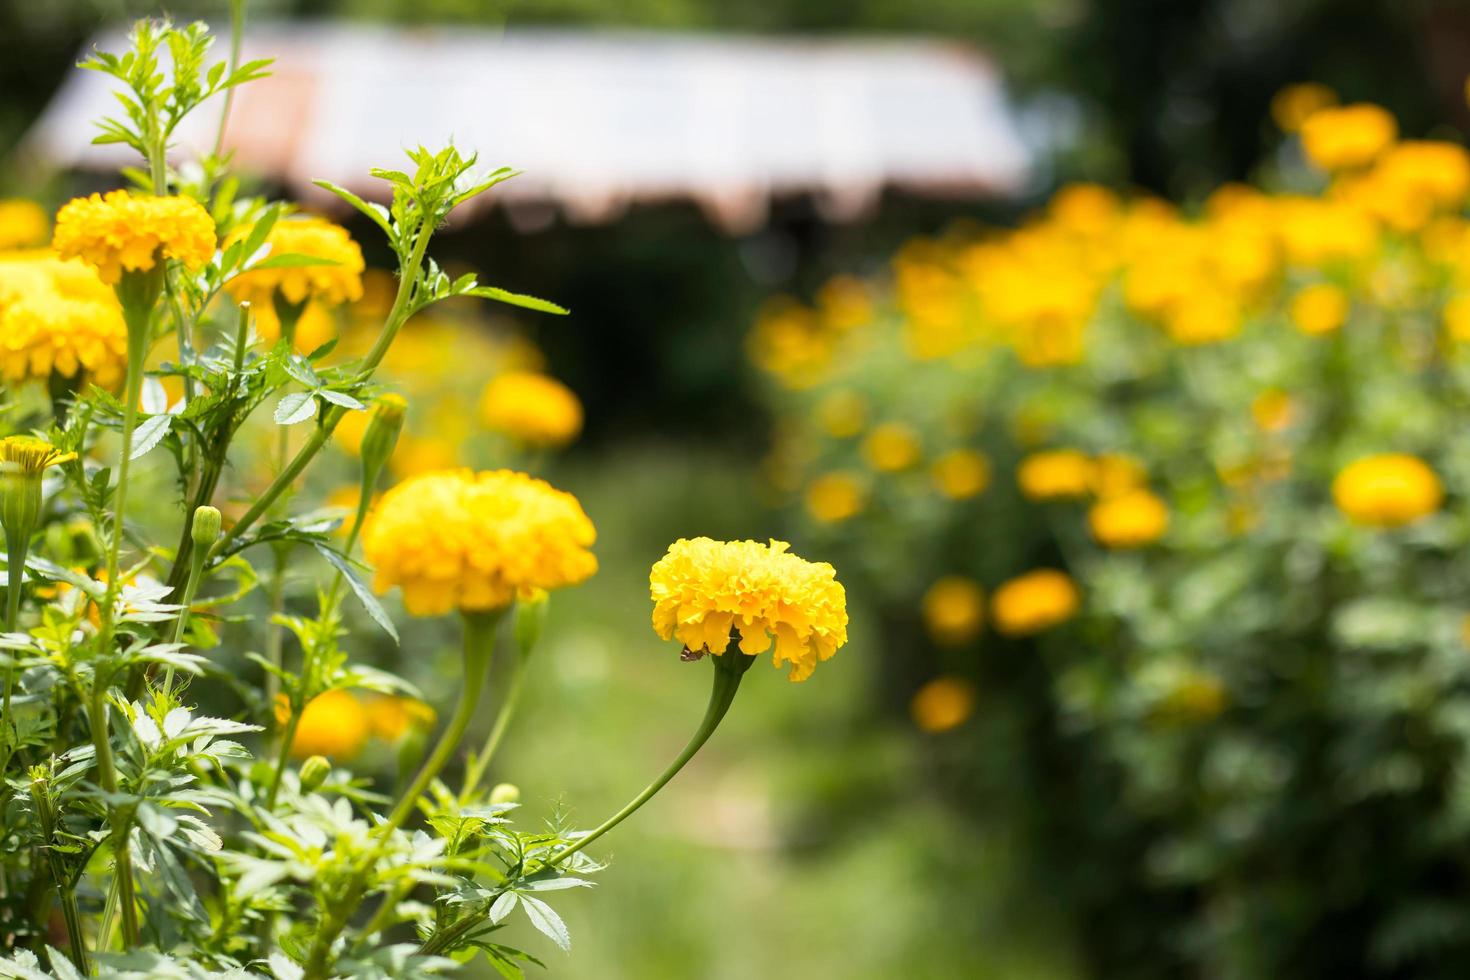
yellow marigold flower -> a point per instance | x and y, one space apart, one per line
954 610
390 716
1346 137
1319 309
1055 474
834 497
328 284
532 409
1273 410
1457 317
960 473
891 447
703 589
474 541
942 704
1114 474
334 724
1203 316
23 224
1034 602
417 455
1434 170
56 317
119 232
1129 520
1293 105
29 456
842 414
315 327
1388 490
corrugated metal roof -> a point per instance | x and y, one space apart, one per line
600 121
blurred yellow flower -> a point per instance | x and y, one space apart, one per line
703 589
1319 309
1114 474
333 724
960 473
337 280
842 414
954 610
57 317
315 327
891 447
390 716
1034 602
474 541
1273 410
1294 104
349 432
120 232
834 497
1130 520
845 303
1055 474
1456 317
417 455
23 224
532 409
1344 137
1388 490
942 704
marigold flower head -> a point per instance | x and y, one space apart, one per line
23 224
119 232
1114 474
1055 474
1129 520
337 280
56 317
334 724
29 456
1293 105
1319 309
1034 602
960 473
531 408
390 716
891 447
474 541
703 589
954 610
835 497
943 704
1388 490
1345 137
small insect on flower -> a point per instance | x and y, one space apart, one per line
531 408
704 590
1388 490
1034 602
120 232
475 541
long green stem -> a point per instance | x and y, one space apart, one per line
191 588
479 646
283 759
15 549
107 775
730 667
475 769
287 477
237 31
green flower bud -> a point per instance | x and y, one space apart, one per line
314 772
505 793
530 619
23 461
381 437
206 526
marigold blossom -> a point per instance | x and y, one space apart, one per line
1055 474
1388 490
960 473
703 589
942 704
23 224
335 281
1129 520
334 724
119 232
531 408
835 497
57 317
1341 138
954 610
474 541
1034 602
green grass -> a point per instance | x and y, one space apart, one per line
806 840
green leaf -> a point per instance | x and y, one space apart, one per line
547 921
150 434
293 260
295 407
516 299
377 212
363 593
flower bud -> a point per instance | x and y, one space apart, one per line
23 461
505 793
205 530
314 772
381 436
530 619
